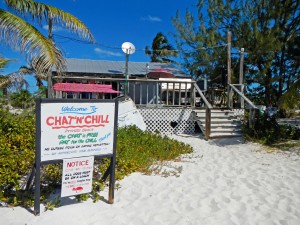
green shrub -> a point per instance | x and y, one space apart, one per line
138 150
267 131
17 150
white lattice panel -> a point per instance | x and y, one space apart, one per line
169 120
239 113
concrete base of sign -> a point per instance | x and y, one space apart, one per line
129 115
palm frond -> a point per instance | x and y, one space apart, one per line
4 62
8 80
25 70
42 11
22 36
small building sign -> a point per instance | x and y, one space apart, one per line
77 176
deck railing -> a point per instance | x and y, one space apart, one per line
161 93
208 108
242 99
144 92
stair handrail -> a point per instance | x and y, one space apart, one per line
253 107
208 107
243 96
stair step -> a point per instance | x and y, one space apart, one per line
216 113
224 123
224 130
225 135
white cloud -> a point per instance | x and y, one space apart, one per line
152 18
104 52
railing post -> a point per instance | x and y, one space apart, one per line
193 94
229 95
156 93
241 99
241 78
252 117
207 123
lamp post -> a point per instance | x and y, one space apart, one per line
128 48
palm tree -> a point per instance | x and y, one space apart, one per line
161 50
3 79
21 35
14 81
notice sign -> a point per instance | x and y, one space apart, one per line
76 129
77 176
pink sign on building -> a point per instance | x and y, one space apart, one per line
75 87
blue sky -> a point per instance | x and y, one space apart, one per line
111 23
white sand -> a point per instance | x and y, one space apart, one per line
222 182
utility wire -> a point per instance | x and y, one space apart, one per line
119 48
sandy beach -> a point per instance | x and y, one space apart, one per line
222 182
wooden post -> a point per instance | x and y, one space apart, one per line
193 94
207 123
229 96
241 78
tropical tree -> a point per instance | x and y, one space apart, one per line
161 50
40 50
17 79
22 99
291 99
265 29
4 81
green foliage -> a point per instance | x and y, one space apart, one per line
161 50
17 151
52 173
22 99
50 205
82 197
267 131
138 150
24 37
291 100
267 30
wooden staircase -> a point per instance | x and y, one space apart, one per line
224 124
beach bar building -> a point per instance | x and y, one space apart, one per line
169 101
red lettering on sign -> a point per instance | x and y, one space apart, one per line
49 120
58 122
78 163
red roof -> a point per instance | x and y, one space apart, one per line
75 87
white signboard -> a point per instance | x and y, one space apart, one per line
77 176
76 129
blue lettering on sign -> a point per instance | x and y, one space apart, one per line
104 137
78 110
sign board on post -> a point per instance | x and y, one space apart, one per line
75 131
77 176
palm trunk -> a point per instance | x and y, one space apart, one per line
49 75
